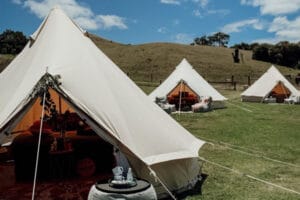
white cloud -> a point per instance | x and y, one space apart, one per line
266 40
274 7
82 14
176 22
285 29
278 23
109 21
41 8
162 30
183 38
87 23
237 26
18 2
173 2
222 12
197 13
201 3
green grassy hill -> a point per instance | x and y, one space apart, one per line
153 62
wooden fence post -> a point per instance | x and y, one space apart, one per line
249 80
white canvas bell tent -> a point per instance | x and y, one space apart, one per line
271 83
62 57
185 78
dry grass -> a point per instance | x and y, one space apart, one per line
160 59
4 61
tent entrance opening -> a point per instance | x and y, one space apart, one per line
182 96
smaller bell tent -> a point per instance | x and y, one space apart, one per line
185 87
271 85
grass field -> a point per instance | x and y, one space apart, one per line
269 130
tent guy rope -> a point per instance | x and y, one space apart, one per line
249 176
240 107
227 145
260 156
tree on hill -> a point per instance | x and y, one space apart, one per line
218 39
12 42
203 40
261 52
242 45
221 39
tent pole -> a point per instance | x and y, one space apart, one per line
38 148
180 96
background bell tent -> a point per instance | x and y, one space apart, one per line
61 57
184 86
272 86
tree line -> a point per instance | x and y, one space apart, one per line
283 53
218 39
12 42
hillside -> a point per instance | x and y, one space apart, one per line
155 61
214 63
4 61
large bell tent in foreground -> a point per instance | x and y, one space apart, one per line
61 57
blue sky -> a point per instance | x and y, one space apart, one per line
180 21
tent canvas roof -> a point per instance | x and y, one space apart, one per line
264 85
184 71
96 87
